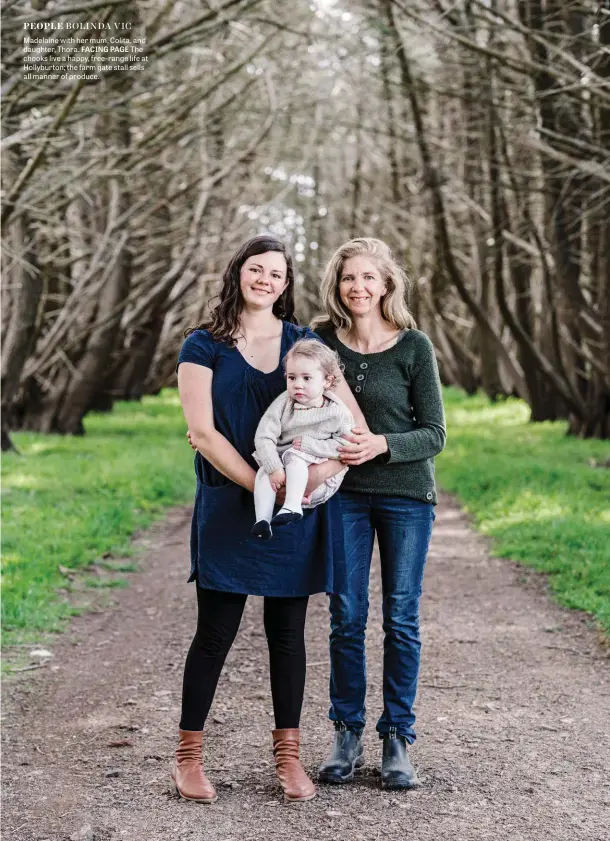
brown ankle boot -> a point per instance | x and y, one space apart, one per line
188 776
293 779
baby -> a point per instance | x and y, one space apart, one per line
302 426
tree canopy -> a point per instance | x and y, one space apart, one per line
472 136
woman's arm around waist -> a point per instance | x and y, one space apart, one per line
195 389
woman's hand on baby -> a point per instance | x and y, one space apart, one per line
296 444
363 446
277 479
190 439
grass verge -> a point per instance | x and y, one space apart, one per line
68 501
540 495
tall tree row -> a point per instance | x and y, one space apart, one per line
474 137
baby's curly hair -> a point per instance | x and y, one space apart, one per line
327 359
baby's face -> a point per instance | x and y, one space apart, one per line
305 380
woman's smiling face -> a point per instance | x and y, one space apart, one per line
361 286
262 279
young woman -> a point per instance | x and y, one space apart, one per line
389 492
229 372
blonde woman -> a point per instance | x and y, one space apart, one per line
388 492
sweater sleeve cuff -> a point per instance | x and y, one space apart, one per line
306 444
271 464
398 449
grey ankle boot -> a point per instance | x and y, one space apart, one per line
396 769
347 755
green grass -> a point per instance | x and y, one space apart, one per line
71 501
68 501
535 492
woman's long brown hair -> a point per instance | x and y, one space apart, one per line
223 323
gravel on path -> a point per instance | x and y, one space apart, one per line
513 717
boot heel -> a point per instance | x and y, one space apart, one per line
289 799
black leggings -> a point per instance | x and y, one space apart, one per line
219 616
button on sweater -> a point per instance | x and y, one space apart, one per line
399 393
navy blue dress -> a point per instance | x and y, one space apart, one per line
301 559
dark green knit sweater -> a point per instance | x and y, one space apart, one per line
399 392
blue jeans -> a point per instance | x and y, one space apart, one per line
403 527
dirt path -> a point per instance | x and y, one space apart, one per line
514 724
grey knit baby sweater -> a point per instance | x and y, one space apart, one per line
320 429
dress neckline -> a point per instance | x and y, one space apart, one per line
258 371
378 353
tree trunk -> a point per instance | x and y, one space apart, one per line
597 424
564 186
473 108
26 281
354 223
439 212
91 371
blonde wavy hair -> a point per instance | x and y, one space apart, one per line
393 304
327 359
